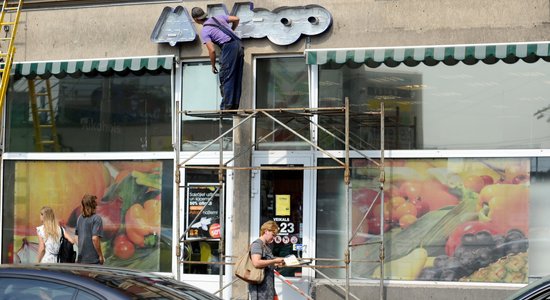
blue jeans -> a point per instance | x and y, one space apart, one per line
231 74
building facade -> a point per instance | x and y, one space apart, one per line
116 98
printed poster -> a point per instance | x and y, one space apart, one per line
203 210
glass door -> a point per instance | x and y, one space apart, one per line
284 196
205 211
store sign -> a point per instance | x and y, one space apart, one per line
203 211
282 26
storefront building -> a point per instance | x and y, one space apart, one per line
100 104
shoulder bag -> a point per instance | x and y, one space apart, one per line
66 252
245 270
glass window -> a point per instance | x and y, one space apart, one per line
135 203
19 288
539 229
90 114
281 83
85 296
203 221
331 239
456 219
440 107
201 92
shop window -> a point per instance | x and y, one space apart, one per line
281 83
455 219
539 229
462 106
202 206
330 233
90 114
134 202
201 93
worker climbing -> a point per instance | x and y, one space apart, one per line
219 30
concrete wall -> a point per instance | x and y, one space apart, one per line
110 31
125 30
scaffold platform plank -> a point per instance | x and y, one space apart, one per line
283 111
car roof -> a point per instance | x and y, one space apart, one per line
138 284
530 289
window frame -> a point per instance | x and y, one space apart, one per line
312 100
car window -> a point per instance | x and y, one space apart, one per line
29 289
82 295
189 291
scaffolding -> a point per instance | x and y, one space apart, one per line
274 114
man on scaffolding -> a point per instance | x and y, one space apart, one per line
219 30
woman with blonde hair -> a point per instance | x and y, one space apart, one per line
49 236
262 257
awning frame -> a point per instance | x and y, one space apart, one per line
93 67
431 54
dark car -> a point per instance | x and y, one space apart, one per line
539 289
90 282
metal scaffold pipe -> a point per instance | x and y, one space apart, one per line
382 179
347 181
345 164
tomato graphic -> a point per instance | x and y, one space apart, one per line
123 247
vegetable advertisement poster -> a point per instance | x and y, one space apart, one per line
445 219
129 203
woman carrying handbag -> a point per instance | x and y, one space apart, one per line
49 236
262 257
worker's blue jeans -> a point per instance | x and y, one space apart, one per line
231 74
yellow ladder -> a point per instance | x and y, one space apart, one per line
13 8
43 116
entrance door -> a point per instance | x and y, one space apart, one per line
284 195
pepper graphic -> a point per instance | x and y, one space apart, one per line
506 205
143 221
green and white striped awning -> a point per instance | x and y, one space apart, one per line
431 55
91 67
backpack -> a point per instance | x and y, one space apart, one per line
66 251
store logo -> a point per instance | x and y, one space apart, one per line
282 26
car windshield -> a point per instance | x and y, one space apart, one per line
148 286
